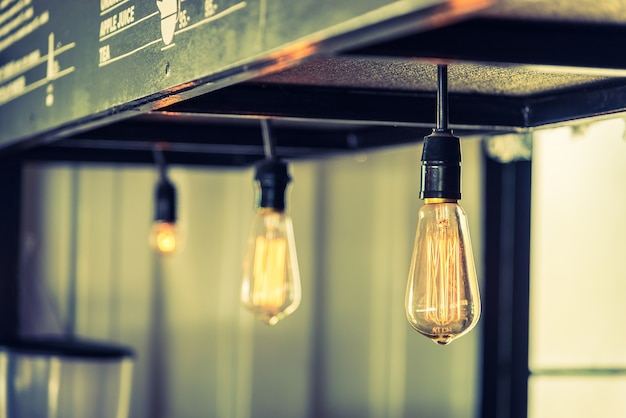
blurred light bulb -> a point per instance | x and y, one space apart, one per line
442 296
271 279
165 237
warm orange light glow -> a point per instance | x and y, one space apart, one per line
452 10
166 241
164 237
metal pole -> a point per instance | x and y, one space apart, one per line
442 97
268 142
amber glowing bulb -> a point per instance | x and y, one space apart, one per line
270 286
442 296
271 280
165 234
164 237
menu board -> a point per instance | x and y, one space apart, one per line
67 63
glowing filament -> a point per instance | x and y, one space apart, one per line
269 274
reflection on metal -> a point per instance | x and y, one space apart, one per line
510 147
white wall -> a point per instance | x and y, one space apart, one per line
348 350
578 282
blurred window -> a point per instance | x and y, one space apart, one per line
577 344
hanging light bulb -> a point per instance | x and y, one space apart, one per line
271 280
165 234
442 296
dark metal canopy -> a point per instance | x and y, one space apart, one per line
332 77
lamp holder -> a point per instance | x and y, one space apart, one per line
165 201
441 166
273 177
164 192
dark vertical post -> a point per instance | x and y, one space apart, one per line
10 211
506 289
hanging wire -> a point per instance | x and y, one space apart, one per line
268 142
159 159
442 97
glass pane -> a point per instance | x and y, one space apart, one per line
577 396
578 291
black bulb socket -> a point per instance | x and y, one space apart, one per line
273 178
165 201
441 166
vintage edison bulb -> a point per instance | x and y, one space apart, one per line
165 237
442 296
271 280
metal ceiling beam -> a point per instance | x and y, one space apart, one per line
212 145
309 122
477 113
586 102
510 41
222 128
351 105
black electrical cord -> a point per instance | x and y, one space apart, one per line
268 140
442 97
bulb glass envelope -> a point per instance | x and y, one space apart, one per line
271 278
442 297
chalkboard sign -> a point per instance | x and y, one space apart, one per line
67 63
